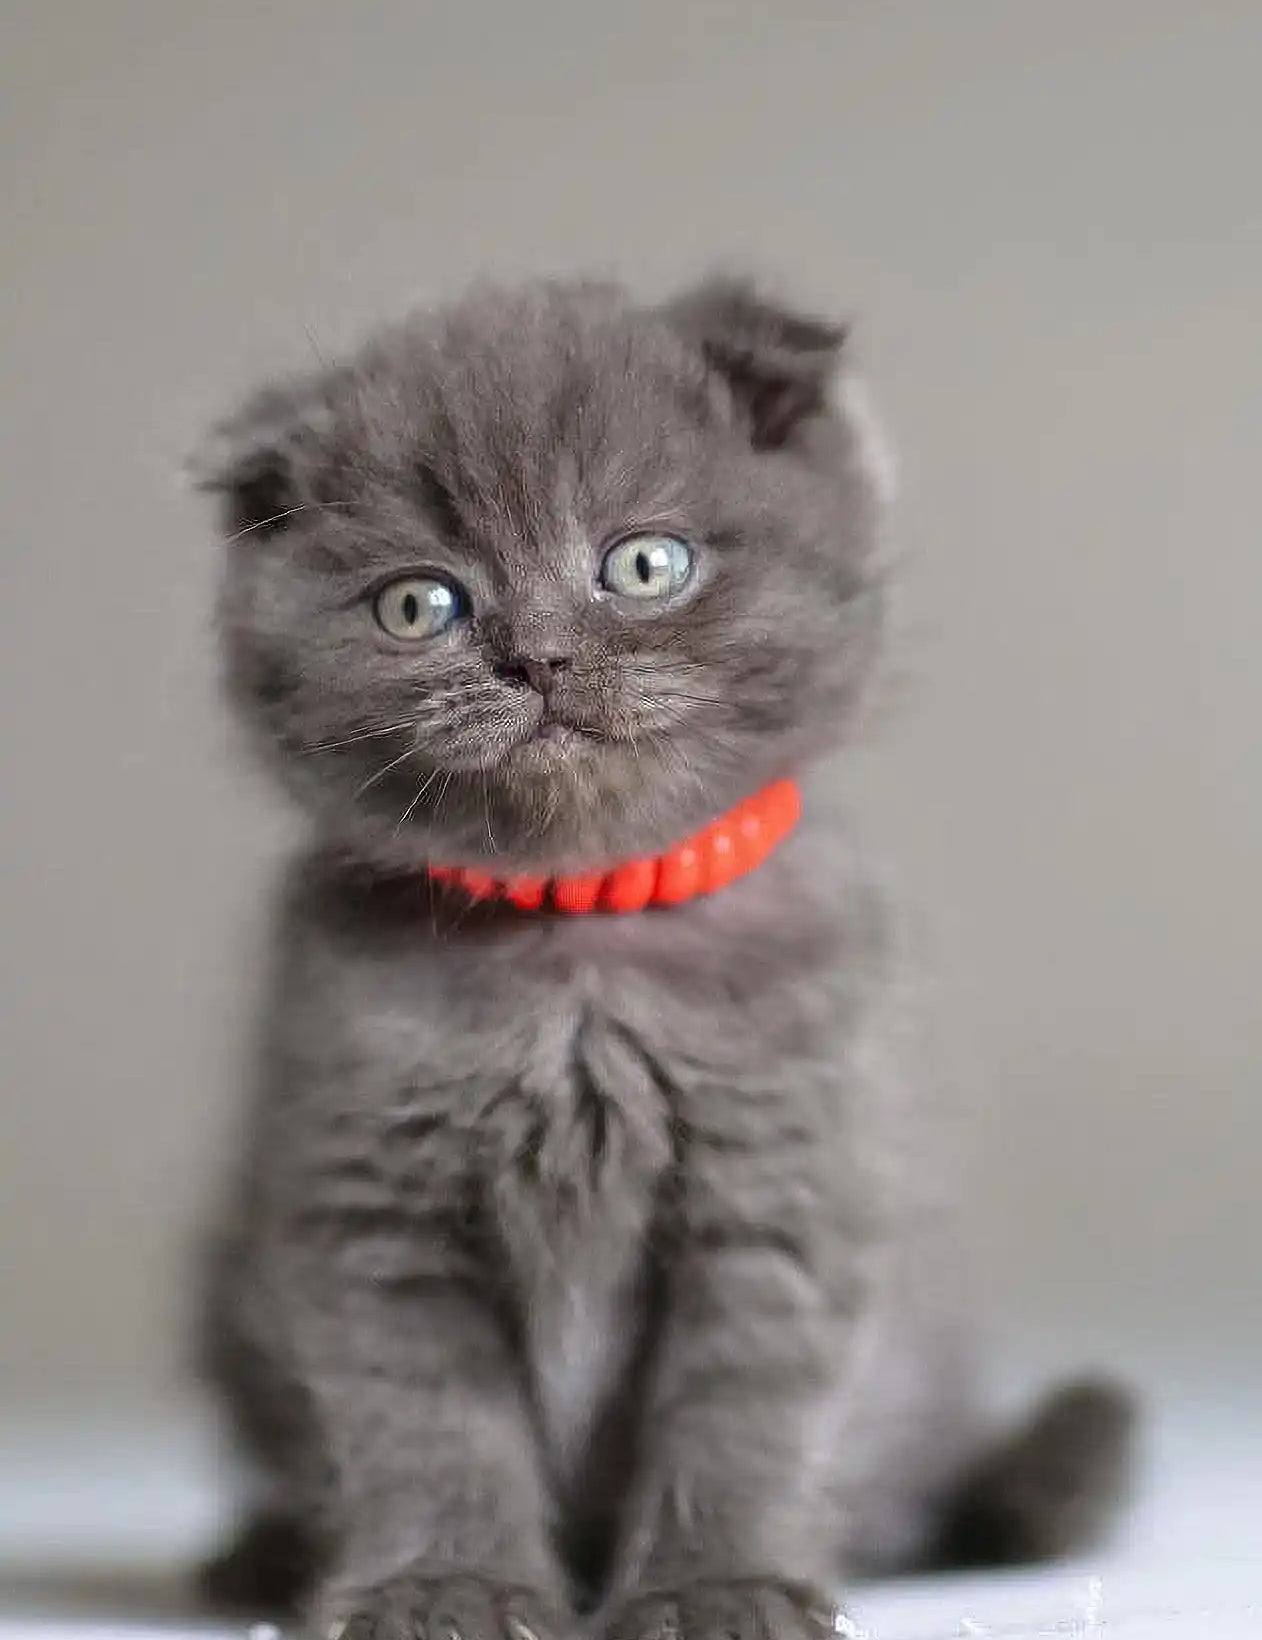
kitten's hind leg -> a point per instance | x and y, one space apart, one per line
1049 1488
269 1568
277 1552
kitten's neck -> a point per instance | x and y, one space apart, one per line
729 848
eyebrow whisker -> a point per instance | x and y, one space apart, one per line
262 523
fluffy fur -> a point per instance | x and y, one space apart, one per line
598 1261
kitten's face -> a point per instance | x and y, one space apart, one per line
558 579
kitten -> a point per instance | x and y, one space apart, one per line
584 1261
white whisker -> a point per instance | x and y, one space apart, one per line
262 523
362 734
486 814
420 792
442 793
381 773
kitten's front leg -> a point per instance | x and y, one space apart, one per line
730 1533
439 1505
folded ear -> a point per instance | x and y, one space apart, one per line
249 462
777 363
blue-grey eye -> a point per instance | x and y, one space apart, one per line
416 607
647 566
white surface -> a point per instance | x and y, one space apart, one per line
128 1508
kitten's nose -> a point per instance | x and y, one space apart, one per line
537 672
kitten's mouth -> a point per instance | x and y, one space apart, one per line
563 732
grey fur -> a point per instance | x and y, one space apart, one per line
574 1258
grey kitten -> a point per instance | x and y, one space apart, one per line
585 1262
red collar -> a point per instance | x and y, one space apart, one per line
730 847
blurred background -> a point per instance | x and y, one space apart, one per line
1046 220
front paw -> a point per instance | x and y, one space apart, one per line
459 1606
732 1609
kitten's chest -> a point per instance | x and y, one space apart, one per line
575 1163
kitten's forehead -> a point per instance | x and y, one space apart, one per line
551 411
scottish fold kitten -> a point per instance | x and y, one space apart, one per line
585 1263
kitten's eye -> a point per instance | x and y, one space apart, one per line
647 566
416 607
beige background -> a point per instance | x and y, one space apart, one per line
1045 215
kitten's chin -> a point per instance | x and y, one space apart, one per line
555 802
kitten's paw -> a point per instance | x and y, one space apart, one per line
733 1609
456 1607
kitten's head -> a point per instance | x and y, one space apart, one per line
550 578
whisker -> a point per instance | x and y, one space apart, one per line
683 695
362 734
420 792
315 347
486 814
673 755
262 523
381 773
439 800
